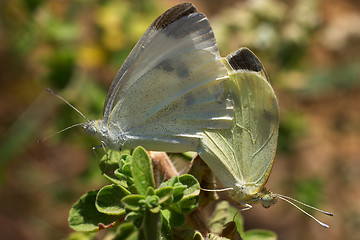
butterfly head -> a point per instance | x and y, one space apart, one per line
268 198
94 128
98 129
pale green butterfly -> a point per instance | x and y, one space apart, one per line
242 157
169 89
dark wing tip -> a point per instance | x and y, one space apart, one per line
173 14
244 59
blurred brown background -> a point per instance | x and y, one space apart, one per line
310 49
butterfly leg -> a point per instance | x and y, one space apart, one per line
246 206
103 146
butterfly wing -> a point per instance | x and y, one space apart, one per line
144 42
171 87
245 154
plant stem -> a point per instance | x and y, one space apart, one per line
152 224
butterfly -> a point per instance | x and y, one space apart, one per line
242 157
169 89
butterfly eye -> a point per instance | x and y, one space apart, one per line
90 128
268 200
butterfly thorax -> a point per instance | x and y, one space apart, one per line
242 194
100 131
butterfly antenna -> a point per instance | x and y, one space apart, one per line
78 124
287 199
61 98
306 205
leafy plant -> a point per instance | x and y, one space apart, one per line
133 198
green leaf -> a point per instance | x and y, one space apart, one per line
219 217
166 232
110 162
178 188
125 152
258 234
133 202
123 177
126 169
141 170
193 186
136 218
84 215
238 219
188 204
166 214
175 217
165 195
125 160
198 236
225 220
190 199
178 193
173 181
152 201
155 209
189 155
126 231
150 191
108 200
116 181
80 236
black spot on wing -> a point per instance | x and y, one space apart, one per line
166 65
182 70
268 116
189 99
172 15
177 67
244 59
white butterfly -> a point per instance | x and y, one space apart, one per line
169 89
242 157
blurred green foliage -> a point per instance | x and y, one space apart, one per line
310 191
292 127
270 28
